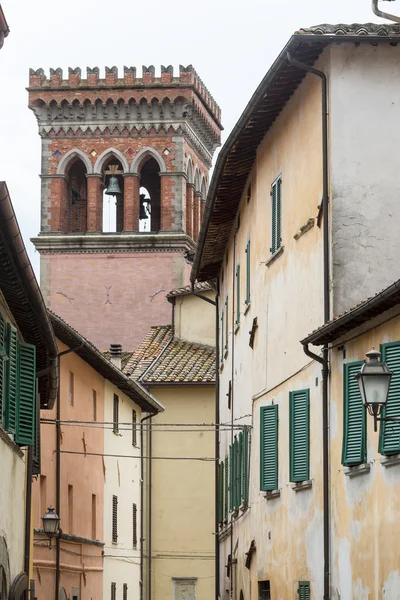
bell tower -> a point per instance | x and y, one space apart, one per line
124 177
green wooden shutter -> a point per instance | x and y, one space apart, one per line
299 435
221 493
237 294
2 370
230 479
11 376
222 337
273 218
248 272
269 448
26 386
244 469
227 323
237 473
389 438
278 213
226 488
354 445
304 590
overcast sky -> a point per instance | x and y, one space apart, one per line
231 44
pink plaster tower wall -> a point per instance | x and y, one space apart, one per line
160 133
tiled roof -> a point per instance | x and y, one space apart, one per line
125 357
351 29
164 359
199 287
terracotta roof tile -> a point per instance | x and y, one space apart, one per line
199 287
148 351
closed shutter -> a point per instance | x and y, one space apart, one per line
354 445
245 460
237 473
115 414
113 590
230 479
304 590
226 323
237 294
134 435
11 383
134 525
115 519
299 435
248 272
2 369
221 493
125 591
389 438
269 448
222 337
226 489
26 394
276 215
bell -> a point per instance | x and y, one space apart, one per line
113 187
142 212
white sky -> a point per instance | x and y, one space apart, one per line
231 44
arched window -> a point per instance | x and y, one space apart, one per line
113 195
76 206
150 196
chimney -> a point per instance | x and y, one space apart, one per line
116 354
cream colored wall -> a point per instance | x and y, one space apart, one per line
286 298
365 509
183 492
195 318
122 479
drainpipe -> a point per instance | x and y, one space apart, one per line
28 510
142 538
232 390
382 14
217 358
324 360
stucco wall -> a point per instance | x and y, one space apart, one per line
195 319
122 479
365 162
183 492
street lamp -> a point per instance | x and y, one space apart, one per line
374 382
51 522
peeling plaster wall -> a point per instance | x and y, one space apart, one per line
365 161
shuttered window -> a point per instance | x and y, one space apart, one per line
134 434
276 215
115 519
222 337
230 479
134 525
226 323
115 414
221 493
304 590
237 294
125 591
389 437
244 467
26 394
299 435
354 445
2 370
226 489
11 383
248 272
269 448
113 590
237 473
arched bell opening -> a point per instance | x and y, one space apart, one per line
150 197
113 195
76 209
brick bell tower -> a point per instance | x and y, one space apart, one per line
125 166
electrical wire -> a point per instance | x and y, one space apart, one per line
138 425
202 459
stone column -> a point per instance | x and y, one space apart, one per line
131 201
94 202
189 209
196 215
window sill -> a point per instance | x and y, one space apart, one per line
246 310
272 494
390 461
300 486
274 256
237 327
357 470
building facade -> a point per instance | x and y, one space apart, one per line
151 140
296 210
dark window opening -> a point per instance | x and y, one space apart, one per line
134 433
113 590
113 196
76 218
264 590
150 196
115 519
115 414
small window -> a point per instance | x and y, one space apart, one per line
269 447
276 215
70 509
134 525
354 446
299 435
94 516
247 301
237 294
264 590
248 194
125 591
71 388
113 590
304 591
115 519
238 223
134 432
116 414
222 337
226 323
94 405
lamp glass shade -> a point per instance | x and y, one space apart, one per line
374 381
51 521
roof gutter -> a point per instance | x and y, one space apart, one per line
31 286
384 15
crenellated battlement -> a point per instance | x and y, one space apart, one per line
188 78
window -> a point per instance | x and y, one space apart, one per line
354 445
248 193
71 388
221 493
237 294
94 516
244 460
134 433
94 405
114 519
248 272
269 448
276 215
222 337
134 525
113 590
125 591
304 590
389 437
2 369
264 590
70 509
234 475
11 374
299 435
226 489
226 323
43 495
115 414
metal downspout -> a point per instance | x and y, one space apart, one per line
142 538
326 286
382 14
28 515
232 390
217 454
